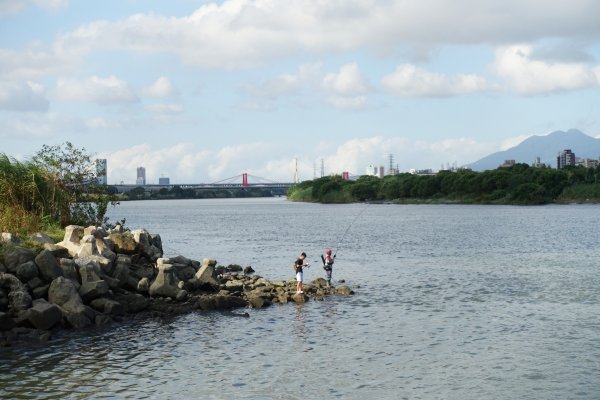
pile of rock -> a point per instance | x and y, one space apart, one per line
95 276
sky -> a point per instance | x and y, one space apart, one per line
201 91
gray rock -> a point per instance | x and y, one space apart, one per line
207 275
64 294
87 247
44 315
121 271
35 283
234 268
234 285
133 302
97 260
156 241
124 243
27 271
165 284
18 296
249 270
258 302
3 268
103 320
6 322
108 306
104 250
92 286
57 251
300 298
41 292
71 240
15 256
143 285
142 270
48 266
344 291
70 270
41 238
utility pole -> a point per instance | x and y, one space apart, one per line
296 180
322 167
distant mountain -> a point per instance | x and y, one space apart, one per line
545 147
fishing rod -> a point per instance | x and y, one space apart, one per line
340 241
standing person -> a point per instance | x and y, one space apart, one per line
328 265
298 265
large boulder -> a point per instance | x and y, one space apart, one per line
105 250
43 315
156 241
104 263
300 298
344 291
165 284
15 256
108 306
71 240
41 238
18 296
27 271
182 267
63 293
6 322
133 302
92 285
124 243
121 272
87 247
48 266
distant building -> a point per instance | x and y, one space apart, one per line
381 172
346 175
101 171
537 163
565 158
372 171
587 162
141 176
507 163
163 180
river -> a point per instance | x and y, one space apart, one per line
452 302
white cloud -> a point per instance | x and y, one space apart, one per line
40 126
164 108
162 87
408 80
242 33
23 96
349 81
35 62
528 76
95 89
513 141
348 102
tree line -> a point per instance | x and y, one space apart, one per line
519 184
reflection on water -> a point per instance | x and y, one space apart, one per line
456 302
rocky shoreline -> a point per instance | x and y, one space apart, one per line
96 277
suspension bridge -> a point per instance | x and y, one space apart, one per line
240 182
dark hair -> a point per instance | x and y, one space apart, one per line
303 254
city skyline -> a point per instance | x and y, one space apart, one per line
207 90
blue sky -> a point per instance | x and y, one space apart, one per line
201 90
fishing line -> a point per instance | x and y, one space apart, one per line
340 241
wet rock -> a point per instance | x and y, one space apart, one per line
234 285
48 266
124 243
15 256
344 291
234 268
165 284
258 302
218 302
18 296
319 283
6 322
249 270
133 302
283 298
300 298
43 315
27 271
63 293
108 306
103 320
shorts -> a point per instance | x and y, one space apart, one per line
299 276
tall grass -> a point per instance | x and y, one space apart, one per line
30 197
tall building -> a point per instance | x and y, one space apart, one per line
565 158
381 171
141 176
101 171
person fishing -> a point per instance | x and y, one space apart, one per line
328 261
298 267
